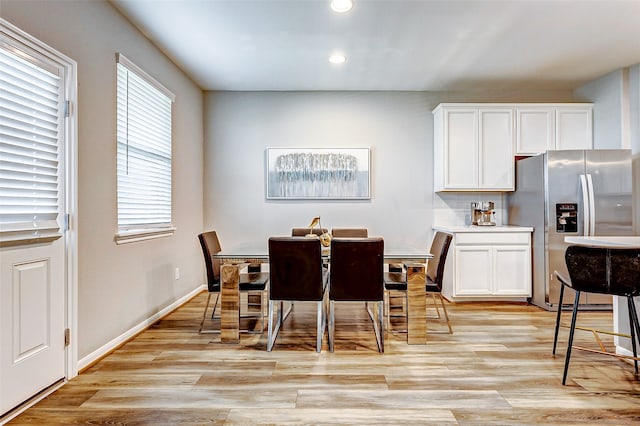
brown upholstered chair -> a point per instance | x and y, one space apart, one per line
604 271
302 232
356 274
297 275
349 233
253 283
396 280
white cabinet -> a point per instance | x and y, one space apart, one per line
574 127
544 127
535 129
473 148
474 144
484 265
512 270
474 278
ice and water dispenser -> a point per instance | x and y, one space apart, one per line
566 218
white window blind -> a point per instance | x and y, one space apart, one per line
31 119
144 154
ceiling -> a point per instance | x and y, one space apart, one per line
424 45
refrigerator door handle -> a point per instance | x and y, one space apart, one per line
592 207
586 220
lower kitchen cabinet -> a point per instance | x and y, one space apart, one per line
485 265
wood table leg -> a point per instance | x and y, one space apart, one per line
230 304
416 305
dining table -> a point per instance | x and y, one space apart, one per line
235 258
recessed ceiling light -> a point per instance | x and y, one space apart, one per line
341 6
337 59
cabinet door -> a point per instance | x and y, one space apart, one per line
512 270
473 271
574 127
496 166
461 149
535 130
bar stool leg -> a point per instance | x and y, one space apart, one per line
571 331
555 335
633 324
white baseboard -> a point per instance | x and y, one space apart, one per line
113 344
624 351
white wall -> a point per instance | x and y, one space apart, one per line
607 96
240 126
120 286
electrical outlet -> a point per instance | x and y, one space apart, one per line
177 274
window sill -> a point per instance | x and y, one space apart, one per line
135 235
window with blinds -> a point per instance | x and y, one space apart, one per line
144 154
31 126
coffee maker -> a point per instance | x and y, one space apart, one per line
482 213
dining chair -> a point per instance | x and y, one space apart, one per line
349 232
254 282
297 275
396 279
605 271
356 275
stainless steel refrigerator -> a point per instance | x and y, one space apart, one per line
569 193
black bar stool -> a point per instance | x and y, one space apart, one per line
613 271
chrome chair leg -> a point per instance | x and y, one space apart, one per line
204 315
320 325
215 306
378 324
446 314
270 326
331 324
274 326
381 326
444 309
386 308
435 305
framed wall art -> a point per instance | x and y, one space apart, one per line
318 173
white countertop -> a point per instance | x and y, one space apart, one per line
475 228
606 242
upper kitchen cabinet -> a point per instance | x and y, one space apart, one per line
473 147
574 127
535 129
544 127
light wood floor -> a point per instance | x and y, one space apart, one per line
496 369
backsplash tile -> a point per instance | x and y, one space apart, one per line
454 208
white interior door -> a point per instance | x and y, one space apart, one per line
34 132
32 349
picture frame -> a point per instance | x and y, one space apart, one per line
318 173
